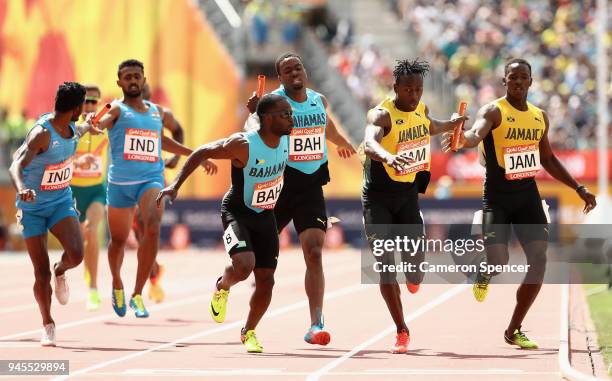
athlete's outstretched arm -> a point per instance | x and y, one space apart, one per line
552 165
36 142
234 148
379 124
171 124
337 135
439 126
488 118
177 148
85 127
172 146
108 121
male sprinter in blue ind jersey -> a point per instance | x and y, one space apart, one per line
156 292
258 160
41 173
302 198
135 176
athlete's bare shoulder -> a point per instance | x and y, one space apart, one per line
491 113
38 138
236 140
379 117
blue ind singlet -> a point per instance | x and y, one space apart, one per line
258 185
135 143
50 172
307 144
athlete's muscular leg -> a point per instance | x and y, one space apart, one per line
119 223
147 250
496 231
260 300
529 289
312 245
377 220
242 265
37 249
390 291
139 232
68 233
497 254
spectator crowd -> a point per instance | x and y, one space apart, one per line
471 40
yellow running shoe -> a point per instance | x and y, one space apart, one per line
519 338
249 340
119 302
138 306
218 305
93 300
481 286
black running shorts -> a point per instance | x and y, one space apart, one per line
251 232
522 208
390 215
306 207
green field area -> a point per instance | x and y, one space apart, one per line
600 304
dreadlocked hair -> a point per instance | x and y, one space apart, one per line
407 67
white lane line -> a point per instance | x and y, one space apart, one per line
225 327
19 344
17 291
96 319
566 369
387 331
80 296
288 280
191 372
177 372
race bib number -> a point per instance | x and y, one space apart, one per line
306 144
418 151
229 238
521 161
266 194
141 145
57 176
89 171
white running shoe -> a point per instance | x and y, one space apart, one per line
48 336
62 293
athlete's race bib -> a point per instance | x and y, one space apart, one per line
521 161
306 144
418 151
89 171
141 145
230 239
266 194
57 176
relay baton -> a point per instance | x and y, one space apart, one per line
459 128
101 113
261 85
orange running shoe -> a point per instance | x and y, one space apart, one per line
156 291
317 335
401 343
413 288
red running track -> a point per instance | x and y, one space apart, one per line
453 337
